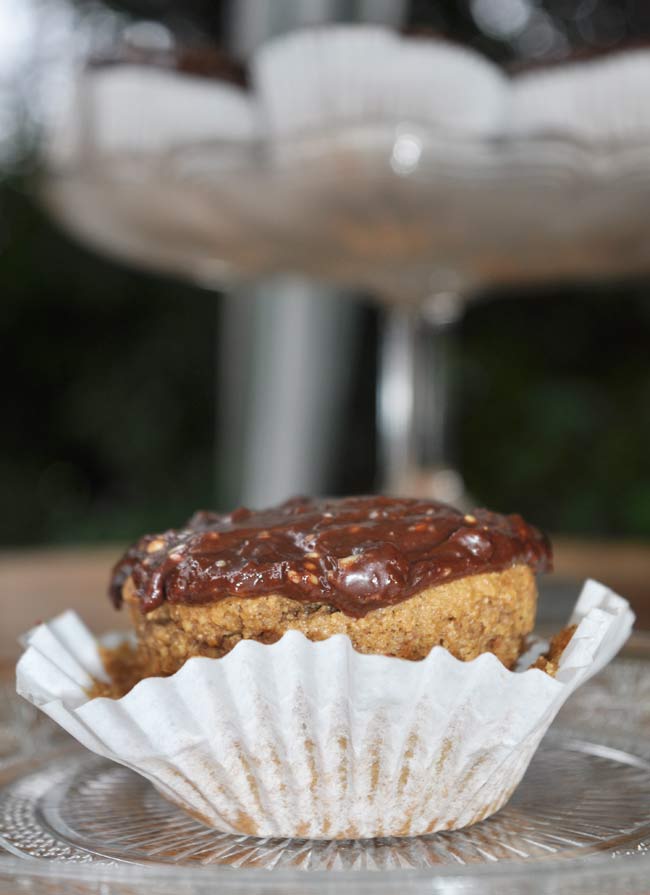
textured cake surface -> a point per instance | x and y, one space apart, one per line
493 612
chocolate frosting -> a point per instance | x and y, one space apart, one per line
354 554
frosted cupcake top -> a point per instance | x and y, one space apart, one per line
354 554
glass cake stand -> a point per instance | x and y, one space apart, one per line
580 820
413 216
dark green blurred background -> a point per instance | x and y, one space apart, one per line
108 375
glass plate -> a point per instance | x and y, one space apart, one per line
464 215
580 821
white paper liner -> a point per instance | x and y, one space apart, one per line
602 101
317 78
322 79
144 110
314 740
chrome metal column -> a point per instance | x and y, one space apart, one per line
285 347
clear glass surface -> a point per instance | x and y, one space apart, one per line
579 822
337 206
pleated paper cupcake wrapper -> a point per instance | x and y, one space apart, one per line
602 102
316 78
314 740
325 79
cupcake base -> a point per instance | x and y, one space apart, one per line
492 612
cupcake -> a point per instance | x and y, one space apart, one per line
326 669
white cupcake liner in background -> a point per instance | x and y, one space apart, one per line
350 74
321 80
141 110
602 101
313 740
